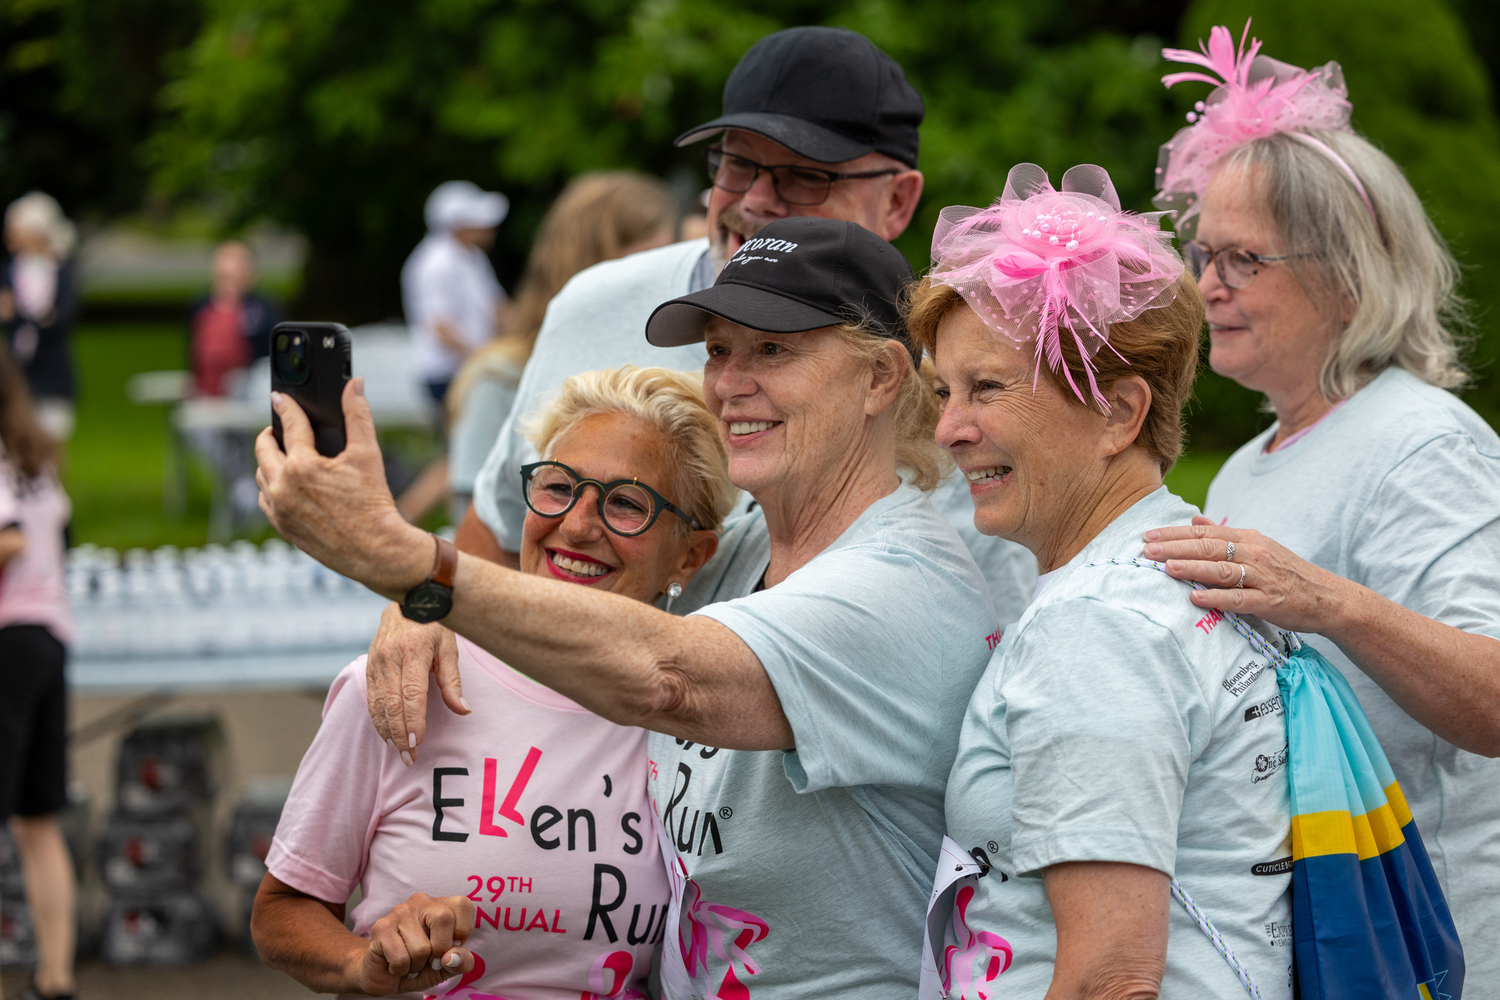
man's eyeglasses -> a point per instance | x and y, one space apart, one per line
795 185
626 506
1237 266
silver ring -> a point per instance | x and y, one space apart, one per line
1241 584
1229 553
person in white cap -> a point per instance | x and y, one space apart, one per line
449 290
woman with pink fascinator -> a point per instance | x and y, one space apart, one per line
1108 749
1369 513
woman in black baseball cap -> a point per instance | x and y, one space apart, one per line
803 732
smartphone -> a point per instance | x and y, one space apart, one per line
310 362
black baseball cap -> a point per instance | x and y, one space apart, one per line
797 274
824 93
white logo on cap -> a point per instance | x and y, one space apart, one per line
751 246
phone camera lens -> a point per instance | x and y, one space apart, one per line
281 342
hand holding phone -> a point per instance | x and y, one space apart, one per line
310 362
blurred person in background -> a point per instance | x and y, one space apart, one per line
231 326
448 287
356 816
35 627
38 296
454 304
599 216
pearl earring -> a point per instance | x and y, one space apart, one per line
674 591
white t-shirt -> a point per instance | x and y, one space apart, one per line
598 321
1119 722
810 868
1399 490
532 806
444 280
32 590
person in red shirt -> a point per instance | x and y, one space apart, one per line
232 326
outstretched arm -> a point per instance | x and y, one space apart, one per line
622 659
1445 678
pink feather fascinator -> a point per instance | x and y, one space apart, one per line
1042 264
1254 96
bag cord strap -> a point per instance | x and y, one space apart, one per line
1215 938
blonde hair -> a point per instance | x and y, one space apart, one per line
672 404
1160 345
597 217
1399 275
39 212
915 412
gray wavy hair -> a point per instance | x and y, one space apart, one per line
1400 278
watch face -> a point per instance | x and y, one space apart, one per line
427 602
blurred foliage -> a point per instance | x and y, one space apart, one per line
337 118
78 88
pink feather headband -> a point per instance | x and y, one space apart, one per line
1040 261
1254 96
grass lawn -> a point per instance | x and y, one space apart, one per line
1193 472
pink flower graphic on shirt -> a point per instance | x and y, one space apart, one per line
968 971
610 977
726 931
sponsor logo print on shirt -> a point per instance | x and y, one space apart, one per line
1278 867
1268 764
1279 933
1239 682
1270 707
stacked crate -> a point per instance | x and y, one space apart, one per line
17 945
249 840
151 852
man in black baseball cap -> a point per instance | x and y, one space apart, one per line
817 121
797 275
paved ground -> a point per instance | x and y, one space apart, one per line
226 976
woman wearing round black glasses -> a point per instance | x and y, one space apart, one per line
528 822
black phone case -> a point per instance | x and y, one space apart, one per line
329 356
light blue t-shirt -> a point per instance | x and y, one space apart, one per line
810 867
1399 491
1119 722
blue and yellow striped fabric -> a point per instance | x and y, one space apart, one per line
1368 917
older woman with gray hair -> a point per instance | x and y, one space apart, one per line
1328 289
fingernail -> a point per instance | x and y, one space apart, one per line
465 705
391 743
406 758
1153 549
437 966
411 740
275 399
359 390
1152 535
454 960
413 975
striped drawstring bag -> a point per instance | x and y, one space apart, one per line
1369 921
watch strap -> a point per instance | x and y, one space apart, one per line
445 563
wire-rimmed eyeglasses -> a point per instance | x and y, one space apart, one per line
1237 266
795 185
626 506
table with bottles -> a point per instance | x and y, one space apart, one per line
235 616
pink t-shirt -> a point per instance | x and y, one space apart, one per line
532 806
32 590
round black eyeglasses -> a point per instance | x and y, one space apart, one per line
795 185
626 506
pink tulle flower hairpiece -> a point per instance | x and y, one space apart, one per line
1042 264
1253 96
